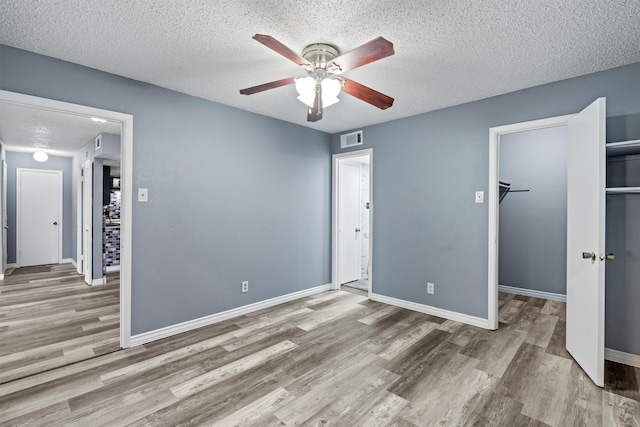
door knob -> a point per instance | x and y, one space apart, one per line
589 255
55 222
607 257
357 230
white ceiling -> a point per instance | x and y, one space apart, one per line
447 51
29 129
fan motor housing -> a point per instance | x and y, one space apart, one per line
320 54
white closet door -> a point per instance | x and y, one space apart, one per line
586 180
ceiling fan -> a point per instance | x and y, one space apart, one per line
324 66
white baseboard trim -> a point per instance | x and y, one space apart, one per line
434 311
112 268
69 261
2 276
622 357
531 293
98 282
190 325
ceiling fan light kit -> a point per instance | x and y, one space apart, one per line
324 66
306 87
329 88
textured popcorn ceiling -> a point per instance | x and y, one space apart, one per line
28 129
447 51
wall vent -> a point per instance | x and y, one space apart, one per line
351 139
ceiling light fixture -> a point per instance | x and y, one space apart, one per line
320 88
40 156
307 88
98 120
324 66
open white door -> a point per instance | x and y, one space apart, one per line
87 222
586 181
3 214
348 223
79 228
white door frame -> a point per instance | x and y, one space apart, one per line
493 201
79 228
334 214
19 171
87 223
126 187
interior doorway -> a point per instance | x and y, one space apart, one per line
585 231
352 220
125 123
496 191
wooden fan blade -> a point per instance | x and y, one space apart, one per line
314 114
267 86
283 50
367 94
369 52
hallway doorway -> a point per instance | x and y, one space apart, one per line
352 220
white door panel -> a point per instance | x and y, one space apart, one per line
40 194
87 221
348 223
4 215
586 180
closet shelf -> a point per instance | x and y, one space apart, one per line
623 190
623 148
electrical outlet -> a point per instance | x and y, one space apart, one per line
245 286
479 196
431 288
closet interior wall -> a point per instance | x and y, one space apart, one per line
622 290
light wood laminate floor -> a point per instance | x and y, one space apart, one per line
336 359
50 318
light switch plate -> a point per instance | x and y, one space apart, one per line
143 195
479 196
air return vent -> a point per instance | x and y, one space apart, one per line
351 139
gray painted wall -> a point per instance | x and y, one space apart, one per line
427 167
109 146
24 160
533 224
233 195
